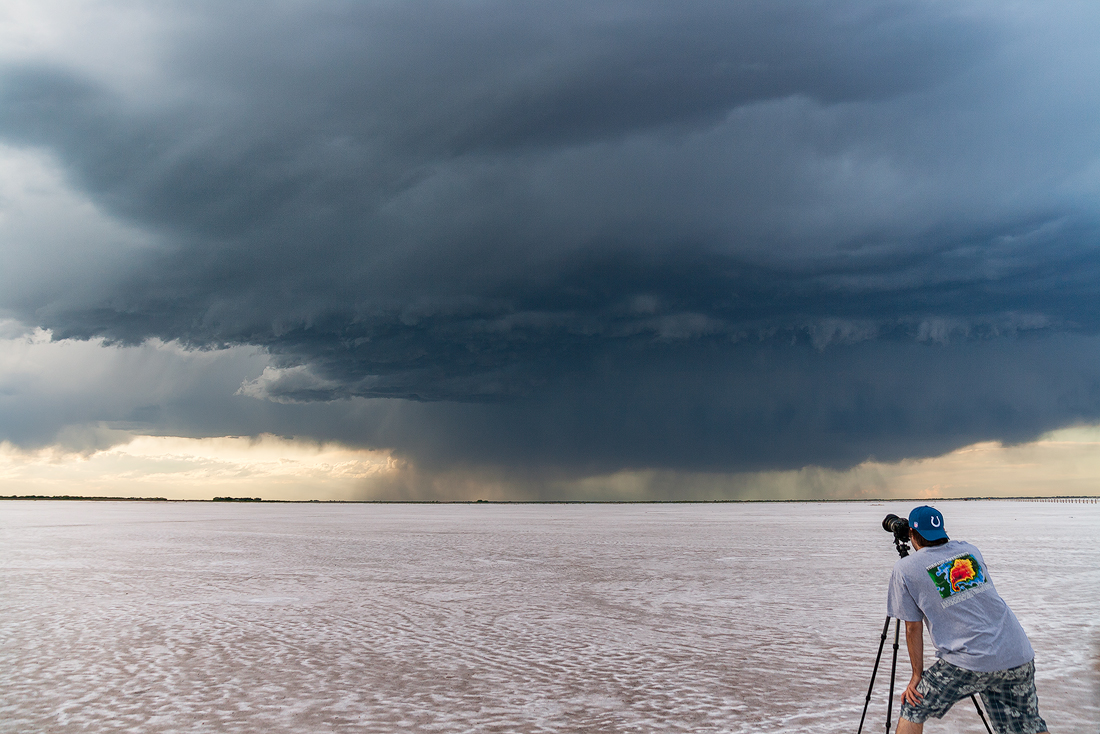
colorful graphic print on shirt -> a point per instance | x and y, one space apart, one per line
957 575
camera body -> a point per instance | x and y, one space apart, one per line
899 527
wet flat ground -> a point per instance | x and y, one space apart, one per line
191 617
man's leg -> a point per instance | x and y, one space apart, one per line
939 688
1011 702
905 726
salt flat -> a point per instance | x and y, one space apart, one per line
185 617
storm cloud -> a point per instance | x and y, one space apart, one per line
585 237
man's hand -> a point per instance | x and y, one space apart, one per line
911 695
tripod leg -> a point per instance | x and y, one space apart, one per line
893 672
980 714
881 643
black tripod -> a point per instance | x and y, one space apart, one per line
903 550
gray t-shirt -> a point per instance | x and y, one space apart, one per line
949 587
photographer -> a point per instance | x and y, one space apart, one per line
980 644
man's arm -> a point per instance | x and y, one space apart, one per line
914 641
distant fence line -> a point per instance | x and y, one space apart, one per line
1064 500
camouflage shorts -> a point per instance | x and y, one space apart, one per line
1008 695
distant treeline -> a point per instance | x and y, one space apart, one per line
77 497
1063 498
115 499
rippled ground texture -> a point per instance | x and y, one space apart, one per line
185 617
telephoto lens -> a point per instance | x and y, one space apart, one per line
899 526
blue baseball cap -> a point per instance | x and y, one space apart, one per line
928 522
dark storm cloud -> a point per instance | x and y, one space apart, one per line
765 407
711 235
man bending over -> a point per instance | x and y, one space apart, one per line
980 644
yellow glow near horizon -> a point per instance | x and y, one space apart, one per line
196 468
1064 462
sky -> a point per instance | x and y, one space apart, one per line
460 249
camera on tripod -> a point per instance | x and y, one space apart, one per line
899 526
